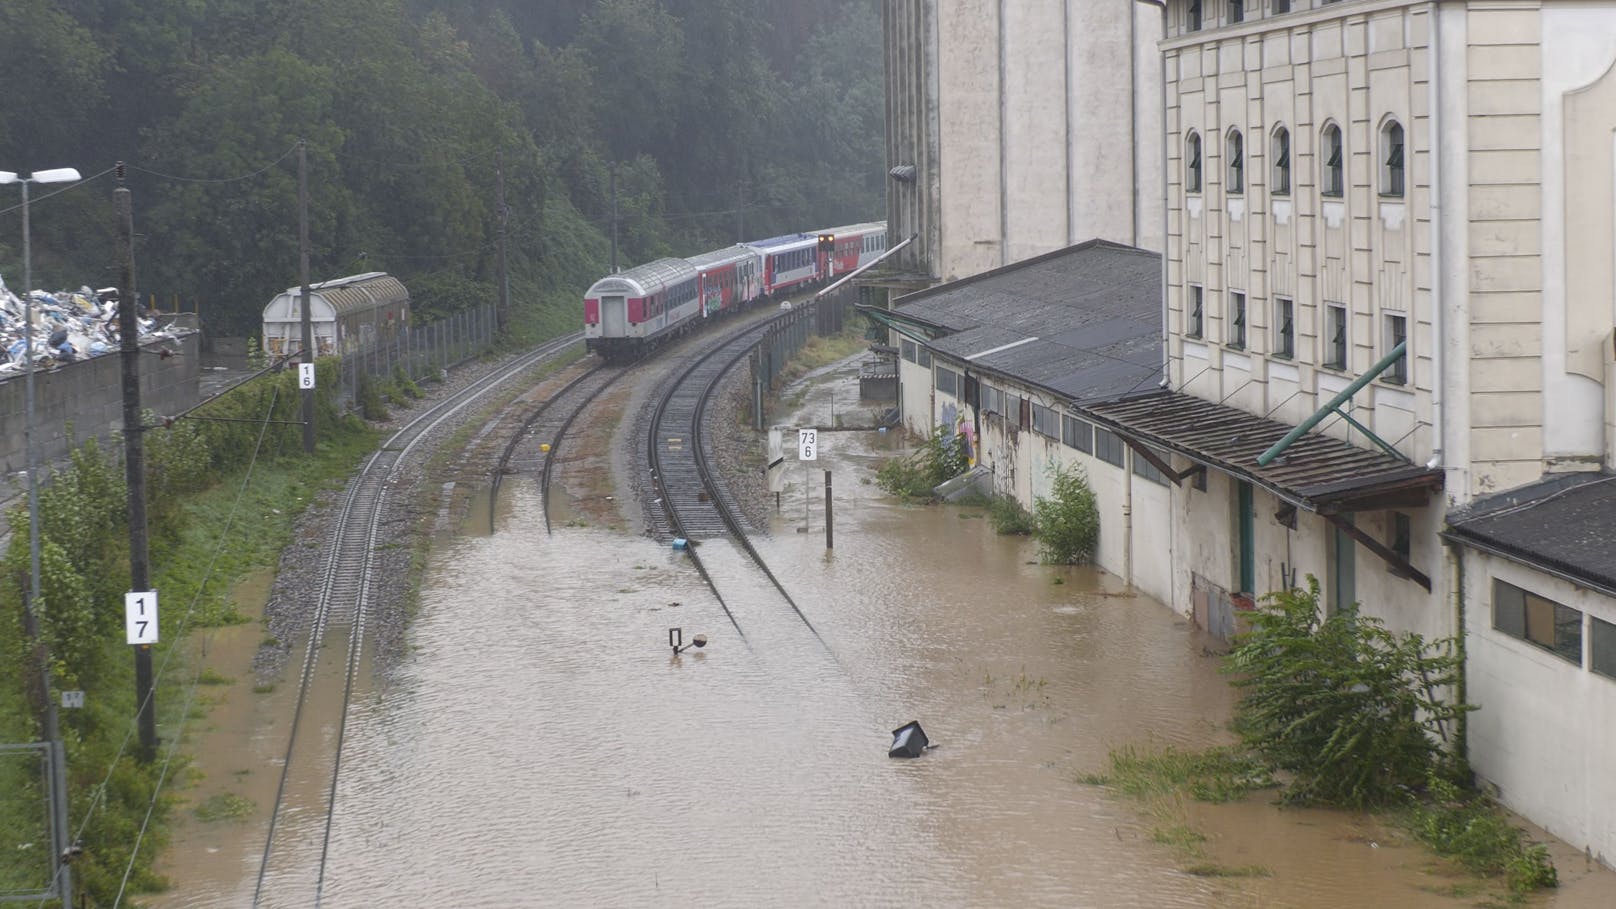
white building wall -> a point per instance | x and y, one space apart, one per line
1543 735
1135 513
1020 116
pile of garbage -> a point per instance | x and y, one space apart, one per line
68 326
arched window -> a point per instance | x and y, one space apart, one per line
1391 159
1192 162
1330 158
1235 150
1279 150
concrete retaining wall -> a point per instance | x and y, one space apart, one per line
75 401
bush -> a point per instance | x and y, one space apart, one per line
1008 517
1068 522
1343 704
1470 828
941 459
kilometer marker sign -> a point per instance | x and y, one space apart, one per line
140 616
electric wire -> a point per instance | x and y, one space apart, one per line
100 790
414 165
246 176
51 195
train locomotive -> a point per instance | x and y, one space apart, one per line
629 313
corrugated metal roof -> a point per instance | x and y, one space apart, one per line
643 280
1563 525
1317 472
723 256
356 293
1088 317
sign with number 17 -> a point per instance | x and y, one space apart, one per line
140 616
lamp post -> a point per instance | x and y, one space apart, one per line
52 734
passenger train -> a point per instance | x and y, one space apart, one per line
629 313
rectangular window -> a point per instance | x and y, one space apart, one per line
1193 312
1045 422
1396 333
1192 16
1281 7
1402 541
923 357
947 381
1284 328
1078 434
1149 471
1237 320
1109 447
908 348
1237 11
1538 620
1335 336
1603 658
992 400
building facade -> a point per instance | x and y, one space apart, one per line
1390 224
1019 127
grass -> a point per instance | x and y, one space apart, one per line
224 807
1468 828
1473 831
1213 775
1213 869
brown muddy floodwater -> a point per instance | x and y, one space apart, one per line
541 747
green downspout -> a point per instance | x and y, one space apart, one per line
1335 402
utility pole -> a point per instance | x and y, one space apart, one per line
504 218
614 218
134 453
303 279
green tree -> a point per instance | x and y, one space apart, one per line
1356 713
1068 520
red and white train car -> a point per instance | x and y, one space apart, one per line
627 314
630 312
728 279
854 245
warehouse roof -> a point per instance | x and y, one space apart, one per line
1083 322
1561 525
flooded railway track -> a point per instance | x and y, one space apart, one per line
292 865
546 427
696 504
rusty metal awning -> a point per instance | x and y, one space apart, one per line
1317 472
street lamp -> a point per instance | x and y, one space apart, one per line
56 175
58 760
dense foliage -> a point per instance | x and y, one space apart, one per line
1067 521
84 571
942 458
722 119
1355 713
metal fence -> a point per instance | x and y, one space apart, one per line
787 334
423 350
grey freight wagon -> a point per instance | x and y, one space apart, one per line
350 315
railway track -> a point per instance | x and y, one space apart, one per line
696 505
543 430
296 848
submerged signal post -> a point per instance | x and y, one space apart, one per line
676 640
